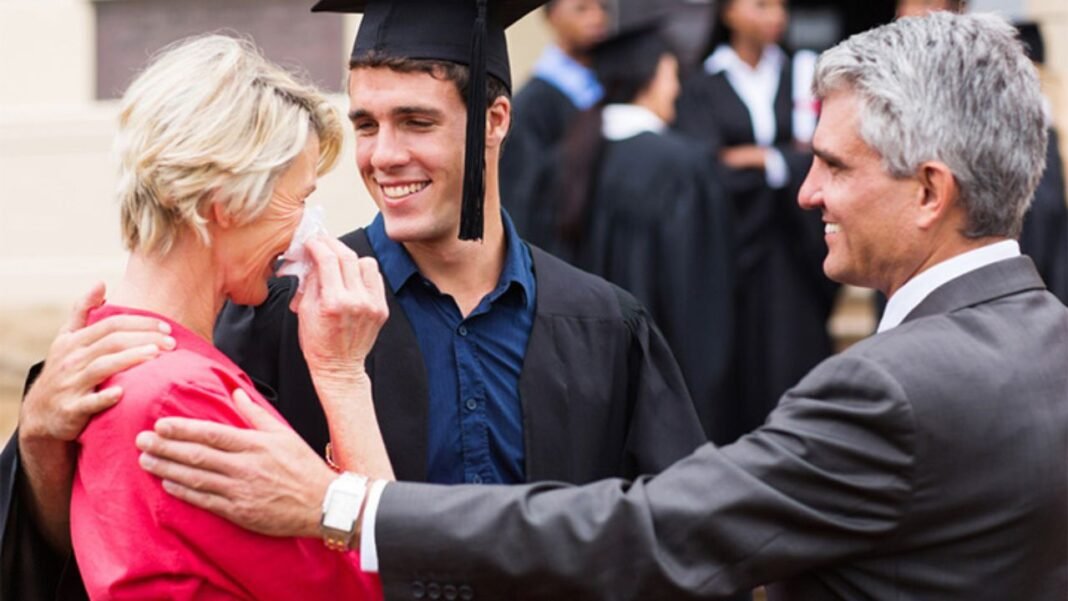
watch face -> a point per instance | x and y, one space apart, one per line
342 510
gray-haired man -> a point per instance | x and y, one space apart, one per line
927 462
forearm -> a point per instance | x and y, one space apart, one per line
350 412
45 478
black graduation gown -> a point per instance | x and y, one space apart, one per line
659 226
783 299
540 116
1045 228
601 394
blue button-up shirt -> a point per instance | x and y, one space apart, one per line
473 364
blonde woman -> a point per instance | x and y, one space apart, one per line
219 150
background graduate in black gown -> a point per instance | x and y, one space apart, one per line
640 205
745 105
561 86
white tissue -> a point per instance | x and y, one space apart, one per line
295 261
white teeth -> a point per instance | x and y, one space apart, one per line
405 190
831 228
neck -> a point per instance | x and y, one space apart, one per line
172 285
748 51
940 254
647 101
466 270
579 56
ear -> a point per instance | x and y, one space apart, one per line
498 121
217 214
939 194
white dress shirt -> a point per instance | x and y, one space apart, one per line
757 88
920 287
622 121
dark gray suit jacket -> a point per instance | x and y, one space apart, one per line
928 462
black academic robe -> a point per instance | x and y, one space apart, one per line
659 226
782 298
601 395
540 116
1045 228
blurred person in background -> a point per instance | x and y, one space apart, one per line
751 105
638 204
218 152
561 86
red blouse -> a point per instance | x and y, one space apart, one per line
132 540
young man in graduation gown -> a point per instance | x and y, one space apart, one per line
561 86
499 363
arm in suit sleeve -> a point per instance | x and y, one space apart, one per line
828 477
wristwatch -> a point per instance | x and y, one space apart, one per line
341 507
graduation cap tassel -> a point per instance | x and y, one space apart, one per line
471 211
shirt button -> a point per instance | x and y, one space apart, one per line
462 330
476 479
466 593
433 590
418 590
471 404
450 592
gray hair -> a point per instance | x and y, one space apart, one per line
211 121
951 88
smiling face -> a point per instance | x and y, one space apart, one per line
410 131
247 253
870 217
761 22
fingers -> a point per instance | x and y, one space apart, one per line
103 367
187 476
215 435
260 418
80 313
213 503
177 460
327 262
99 401
120 323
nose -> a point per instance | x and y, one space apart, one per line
810 197
388 150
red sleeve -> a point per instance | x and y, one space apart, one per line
134 541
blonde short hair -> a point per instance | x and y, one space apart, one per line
211 121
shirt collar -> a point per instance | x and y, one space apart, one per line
573 79
724 58
622 121
398 267
920 287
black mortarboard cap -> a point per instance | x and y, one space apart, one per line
468 32
625 62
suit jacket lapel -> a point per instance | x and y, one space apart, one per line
399 381
543 390
985 284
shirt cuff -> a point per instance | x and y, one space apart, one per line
775 170
368 550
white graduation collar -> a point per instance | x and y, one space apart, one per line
622 121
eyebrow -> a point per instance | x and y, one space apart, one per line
828 157
400 111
